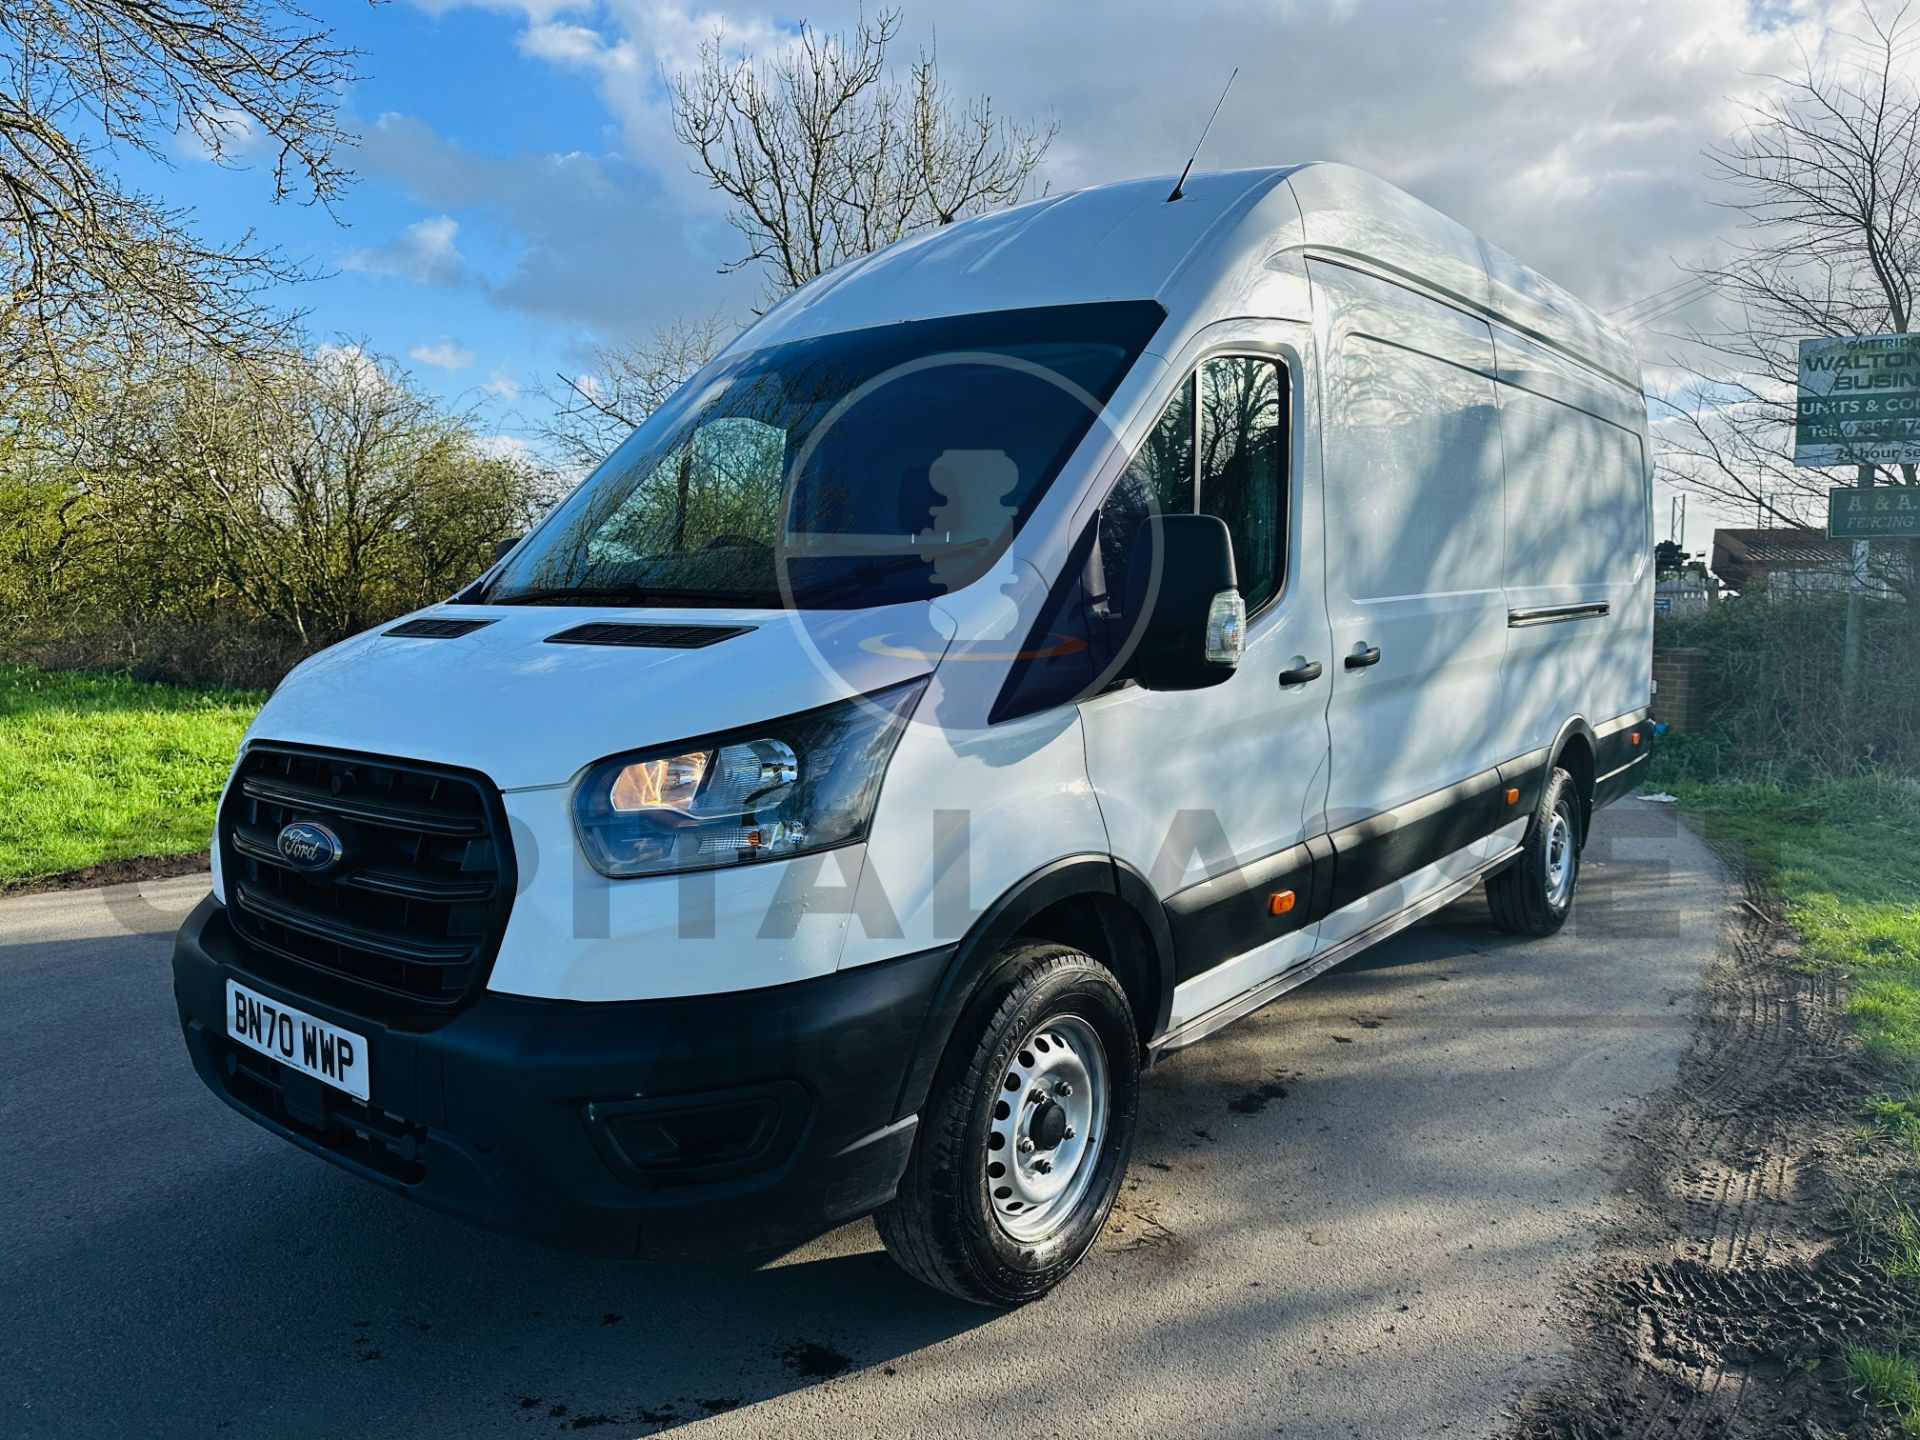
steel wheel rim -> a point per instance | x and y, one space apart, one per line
1561 853
1047 1124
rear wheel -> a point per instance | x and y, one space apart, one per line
1024 1139
1534 895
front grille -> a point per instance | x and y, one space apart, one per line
413 909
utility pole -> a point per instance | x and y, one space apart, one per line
1856 593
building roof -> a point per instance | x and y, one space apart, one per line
1746 556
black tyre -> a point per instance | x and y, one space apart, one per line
1025 1137
1534 895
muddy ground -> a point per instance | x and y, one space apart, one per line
111 872
1731 1284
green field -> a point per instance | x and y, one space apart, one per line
103 767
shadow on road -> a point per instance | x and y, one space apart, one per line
1337 1209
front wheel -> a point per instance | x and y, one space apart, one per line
1024 1139
1534 895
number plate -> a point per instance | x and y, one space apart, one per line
297 1039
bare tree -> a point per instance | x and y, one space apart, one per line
85 262
824 155
594 412
1825 177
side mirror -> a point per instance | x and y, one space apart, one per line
503 548
1183 601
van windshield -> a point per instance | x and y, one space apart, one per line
850 470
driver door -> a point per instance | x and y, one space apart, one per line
1207 792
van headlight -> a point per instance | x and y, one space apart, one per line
763 793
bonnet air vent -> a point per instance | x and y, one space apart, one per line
436 629
655 637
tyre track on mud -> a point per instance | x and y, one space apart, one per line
1727 1291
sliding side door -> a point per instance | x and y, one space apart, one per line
1412 499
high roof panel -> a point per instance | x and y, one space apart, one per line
1203 253
1112 242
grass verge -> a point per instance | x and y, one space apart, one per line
1843 857
1888 1381
103 767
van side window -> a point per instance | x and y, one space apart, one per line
1237 471
1159 478
1243 458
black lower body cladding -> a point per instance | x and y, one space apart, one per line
712 1123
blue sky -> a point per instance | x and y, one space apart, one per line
414 62
452 251
521 197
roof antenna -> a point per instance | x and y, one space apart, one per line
1180 184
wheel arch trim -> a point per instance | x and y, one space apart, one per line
1576 727
1114 886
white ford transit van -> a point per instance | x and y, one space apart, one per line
1022 652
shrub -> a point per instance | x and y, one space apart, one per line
1771 689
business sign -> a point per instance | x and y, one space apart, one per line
1873 512
1859 402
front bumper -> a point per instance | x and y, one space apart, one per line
738 1121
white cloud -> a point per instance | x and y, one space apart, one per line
442 355
220 134
533 9
352 364
424 252
1567 132
597 242
568 44
1570 133
501 386
503 447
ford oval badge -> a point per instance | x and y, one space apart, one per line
310 847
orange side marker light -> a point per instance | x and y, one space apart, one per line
1513 795
1280 902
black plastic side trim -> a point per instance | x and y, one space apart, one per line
1137 894
1383 848
1321 906
1528 774
1621 746
1225 916
1228 914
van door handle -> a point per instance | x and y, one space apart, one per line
1301 674
1366 657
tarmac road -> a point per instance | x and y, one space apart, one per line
1353 1214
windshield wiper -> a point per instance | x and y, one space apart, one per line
632 595
868 570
